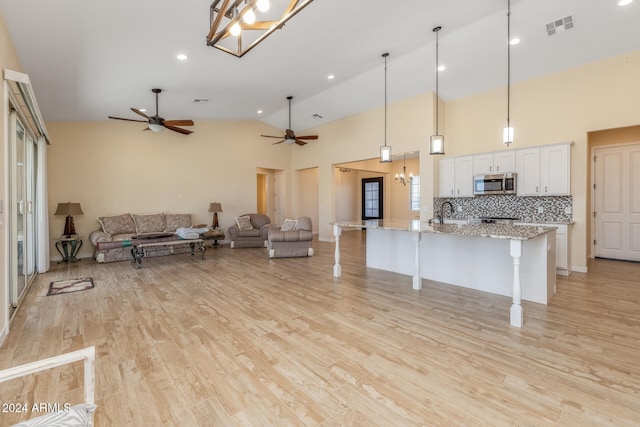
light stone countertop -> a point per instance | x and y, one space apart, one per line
493 231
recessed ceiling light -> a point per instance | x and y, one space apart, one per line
331 77
514 41
260 111
182 57
441 68
624 2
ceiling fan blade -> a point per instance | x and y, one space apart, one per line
178 122
279 142
271 136
300 142
129 120
308 137
179 130
135 110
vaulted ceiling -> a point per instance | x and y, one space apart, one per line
88 60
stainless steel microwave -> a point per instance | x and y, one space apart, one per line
501 183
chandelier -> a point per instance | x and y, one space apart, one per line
237 26
402 178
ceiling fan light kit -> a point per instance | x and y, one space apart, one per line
235 27
157 123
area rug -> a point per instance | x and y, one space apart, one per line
71 285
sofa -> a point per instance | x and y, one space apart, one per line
293 239
249 231
113 241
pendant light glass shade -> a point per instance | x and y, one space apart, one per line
436 145
385 150
385 153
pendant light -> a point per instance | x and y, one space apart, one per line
507 133
385 150
436 145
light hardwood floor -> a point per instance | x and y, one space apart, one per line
239 339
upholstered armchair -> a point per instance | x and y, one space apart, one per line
293 239
250 231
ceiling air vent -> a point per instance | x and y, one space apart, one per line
560 25
200 100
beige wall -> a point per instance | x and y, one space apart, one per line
409 125
556 108
8 60
112 167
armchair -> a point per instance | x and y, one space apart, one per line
254 237
294 243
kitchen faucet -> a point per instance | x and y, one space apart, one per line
440 213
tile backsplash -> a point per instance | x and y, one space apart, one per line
533 209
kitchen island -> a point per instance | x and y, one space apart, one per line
509 260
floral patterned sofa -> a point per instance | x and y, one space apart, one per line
112 241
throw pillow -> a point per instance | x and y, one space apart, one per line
244 222
117 224
289 225
175 221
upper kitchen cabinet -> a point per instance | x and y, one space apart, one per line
501 162
456 177
544 171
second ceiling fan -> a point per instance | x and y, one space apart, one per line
289 136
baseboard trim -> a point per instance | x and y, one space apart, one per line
580 269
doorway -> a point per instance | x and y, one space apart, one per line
616 193
372 198
271 194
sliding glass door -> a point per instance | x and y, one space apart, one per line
21 218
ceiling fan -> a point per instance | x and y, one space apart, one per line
289 136
157 123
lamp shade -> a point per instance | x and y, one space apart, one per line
215 207
69 209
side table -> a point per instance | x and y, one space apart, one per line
68 247
214 234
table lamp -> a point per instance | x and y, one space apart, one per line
215 207
69 209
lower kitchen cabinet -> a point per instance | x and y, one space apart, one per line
563 247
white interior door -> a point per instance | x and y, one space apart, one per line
617 202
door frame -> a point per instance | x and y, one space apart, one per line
592 191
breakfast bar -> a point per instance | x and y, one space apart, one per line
509 260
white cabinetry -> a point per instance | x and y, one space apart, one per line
563 246
494 162
544 171
456 177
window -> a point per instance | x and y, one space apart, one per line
414 194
